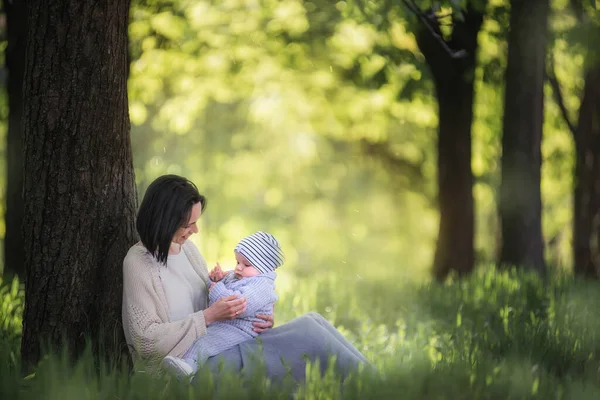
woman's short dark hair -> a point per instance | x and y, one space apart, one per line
166 207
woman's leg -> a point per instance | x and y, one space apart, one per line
285 350
222 367
229 360
219 338
336 334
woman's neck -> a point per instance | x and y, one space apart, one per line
175 248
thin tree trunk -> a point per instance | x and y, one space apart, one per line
520 203
16 32
586 196
586 174
79 187
454 83
454 250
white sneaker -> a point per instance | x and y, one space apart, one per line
177 366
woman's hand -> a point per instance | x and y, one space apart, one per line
226 308
263 326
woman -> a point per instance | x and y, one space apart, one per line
165 297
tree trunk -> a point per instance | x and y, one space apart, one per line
520 204
79 186
454 250
586 196
16 32
454 80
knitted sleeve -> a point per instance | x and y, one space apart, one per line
145 319
259 292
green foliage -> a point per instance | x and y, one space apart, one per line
12 303
496 335
317 120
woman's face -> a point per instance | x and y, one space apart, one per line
191 227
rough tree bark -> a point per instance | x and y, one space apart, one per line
453 70
79 187
16 33
520 204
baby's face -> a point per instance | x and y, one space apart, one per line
243 268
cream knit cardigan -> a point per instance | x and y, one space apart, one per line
149 334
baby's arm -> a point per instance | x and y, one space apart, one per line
222 288
216 274
225 280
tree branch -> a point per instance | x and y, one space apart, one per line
578 9
425 19
558 97
382 151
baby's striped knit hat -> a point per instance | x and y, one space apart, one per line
262 250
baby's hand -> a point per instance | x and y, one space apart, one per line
217 273
212 284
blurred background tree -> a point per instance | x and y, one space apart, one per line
452 64
520 201
586 136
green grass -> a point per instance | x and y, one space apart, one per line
496 335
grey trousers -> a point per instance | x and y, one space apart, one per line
284 351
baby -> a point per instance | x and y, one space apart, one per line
257 256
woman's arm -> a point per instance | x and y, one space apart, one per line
145 320
145 314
